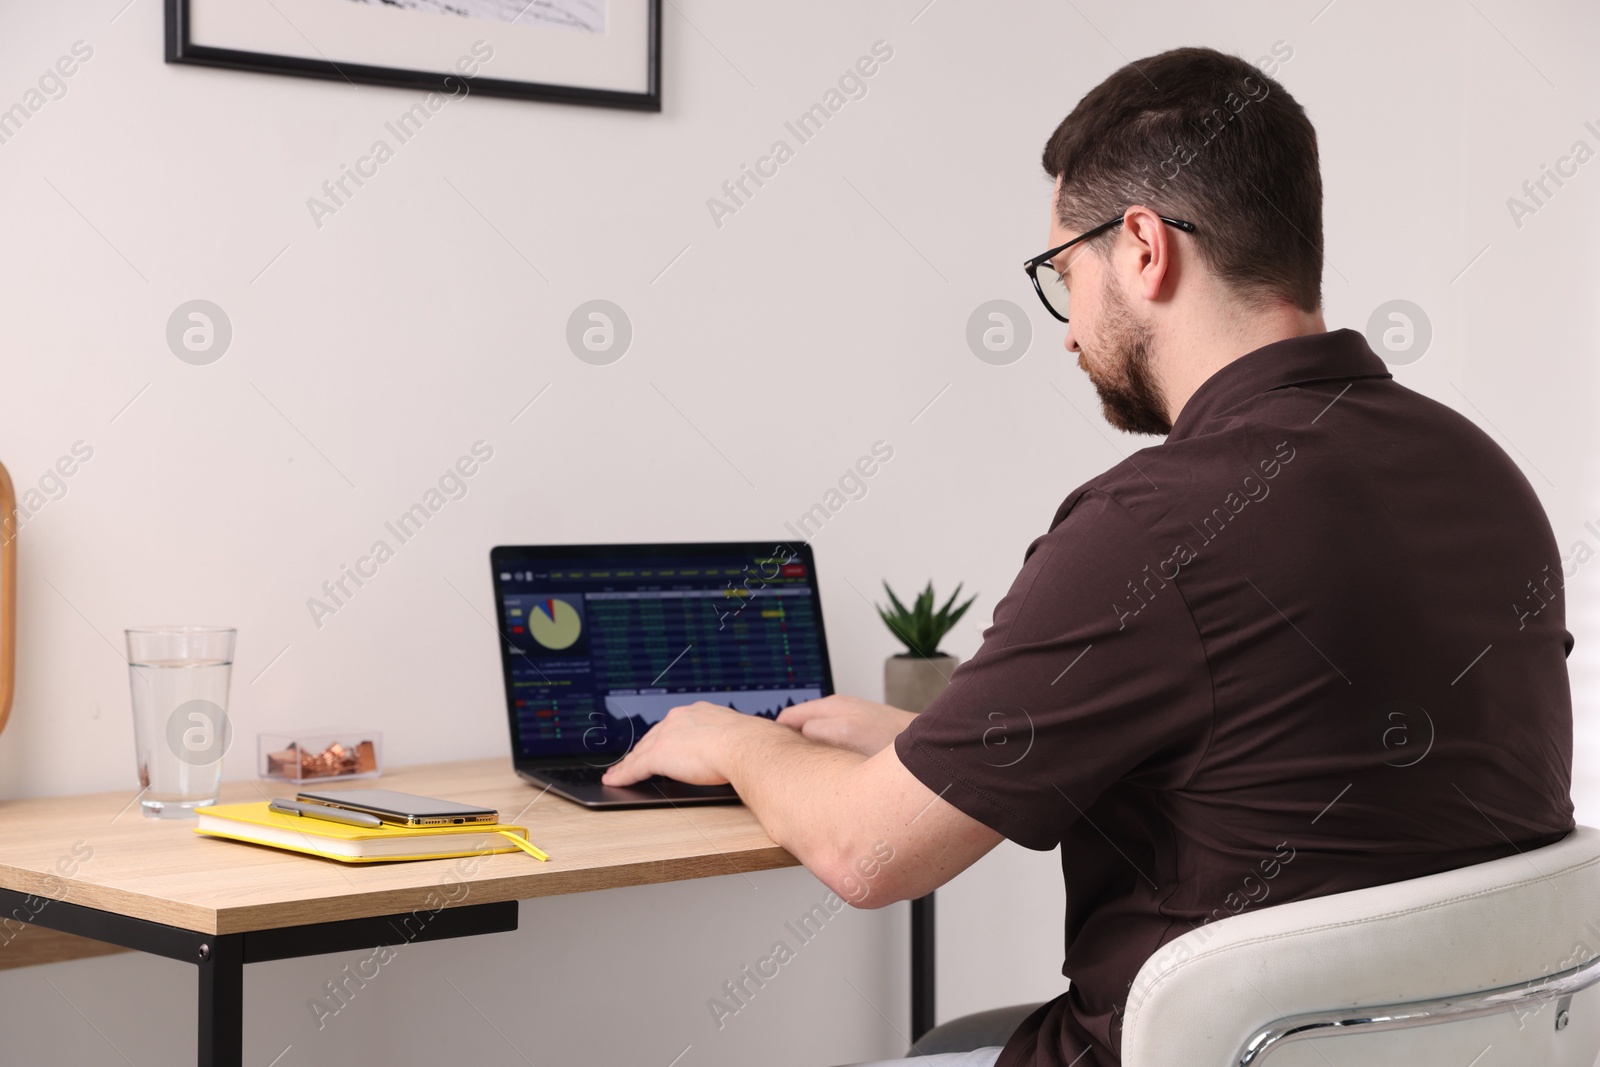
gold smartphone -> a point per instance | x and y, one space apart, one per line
401 809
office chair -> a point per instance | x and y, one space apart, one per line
1494 965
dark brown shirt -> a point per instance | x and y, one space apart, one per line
1314 641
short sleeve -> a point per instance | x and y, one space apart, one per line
1092 673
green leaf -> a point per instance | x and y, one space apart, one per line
900 609
898 620
962 610
944 612
924 631
920 627
894 626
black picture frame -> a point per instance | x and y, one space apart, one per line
181 50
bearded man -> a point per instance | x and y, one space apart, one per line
1285 652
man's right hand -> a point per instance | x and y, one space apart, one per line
847 722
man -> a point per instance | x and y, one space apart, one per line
1314 641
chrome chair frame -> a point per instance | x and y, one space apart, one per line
1559 986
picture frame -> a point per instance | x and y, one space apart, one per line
550 56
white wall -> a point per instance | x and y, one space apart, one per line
822 317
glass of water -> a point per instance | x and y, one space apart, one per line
179 676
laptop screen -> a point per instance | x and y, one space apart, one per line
599 642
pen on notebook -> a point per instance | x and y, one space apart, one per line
317 811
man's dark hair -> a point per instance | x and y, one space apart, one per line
1198 135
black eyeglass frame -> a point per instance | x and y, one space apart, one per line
1032 266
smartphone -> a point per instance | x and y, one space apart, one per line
401 809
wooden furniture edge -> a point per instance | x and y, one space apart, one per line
479 890
516 887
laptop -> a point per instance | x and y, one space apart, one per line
599 642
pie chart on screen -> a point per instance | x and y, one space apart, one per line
554 623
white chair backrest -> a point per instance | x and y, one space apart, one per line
1494 926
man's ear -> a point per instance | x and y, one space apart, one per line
1151 245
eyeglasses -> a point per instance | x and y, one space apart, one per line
1048 283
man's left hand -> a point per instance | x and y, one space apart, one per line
691 745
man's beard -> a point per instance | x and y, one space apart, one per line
1130 396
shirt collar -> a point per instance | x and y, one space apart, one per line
1339 355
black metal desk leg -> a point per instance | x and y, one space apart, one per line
222 1001
220 959
922 967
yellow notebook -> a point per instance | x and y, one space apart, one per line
260 825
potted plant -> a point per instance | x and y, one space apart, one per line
911 679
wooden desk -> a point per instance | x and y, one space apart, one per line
156 886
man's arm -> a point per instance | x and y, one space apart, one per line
864 825
847 722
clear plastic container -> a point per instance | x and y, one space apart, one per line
319 755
